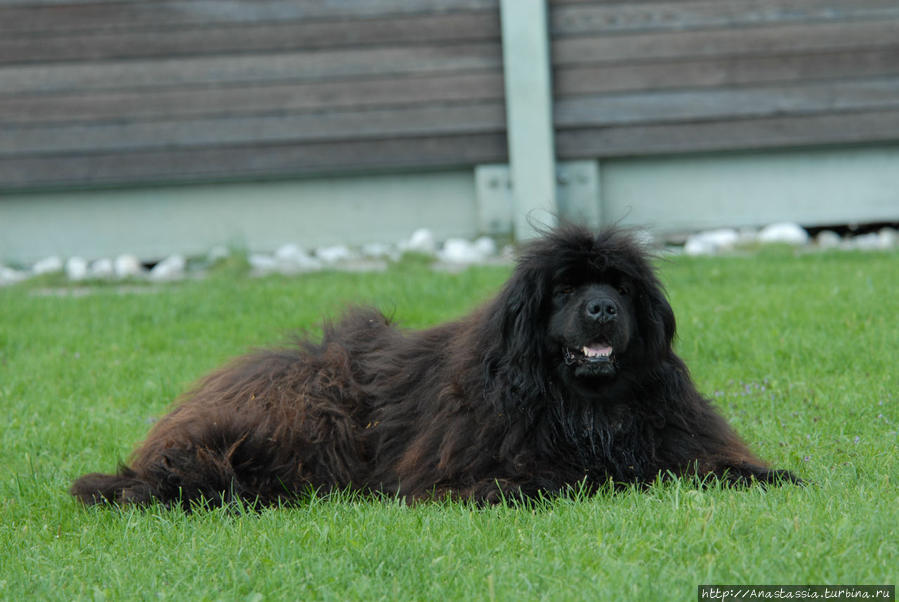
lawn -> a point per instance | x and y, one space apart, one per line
800 352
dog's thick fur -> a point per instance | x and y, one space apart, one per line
567 378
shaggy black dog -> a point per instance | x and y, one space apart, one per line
566 379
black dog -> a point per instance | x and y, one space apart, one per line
567 378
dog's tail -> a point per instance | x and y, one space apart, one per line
124 487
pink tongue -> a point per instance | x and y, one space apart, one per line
594 350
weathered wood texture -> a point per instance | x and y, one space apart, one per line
115 92
638 78
99 92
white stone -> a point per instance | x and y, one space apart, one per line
101 268
335 254
785 232
711 242
422 241
262 263
828 239
127 266
889 238
76 268
724 238
169 268
486 246
866 242
11 276
48 265
291 258
698 246
288 251
459 250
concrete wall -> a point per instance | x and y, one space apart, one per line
154 222
668 194
812 187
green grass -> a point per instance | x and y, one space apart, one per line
799 352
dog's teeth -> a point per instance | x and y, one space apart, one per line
597 351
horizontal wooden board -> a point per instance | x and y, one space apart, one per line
610 18
733 71
404 91
729 103
653 107
257 68
417 121
19 47
767 132
35 16
764 41
252 100
247 162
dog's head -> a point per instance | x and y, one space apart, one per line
584 307
591 325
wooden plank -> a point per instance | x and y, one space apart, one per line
136 15
276 37
733 103
566 19
253 100
268 68
827 37
767 132
28 3
555 3
252 161
386 123
474 87
603 18
714 72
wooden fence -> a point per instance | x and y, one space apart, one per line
117 92
596 110
121 92
637 78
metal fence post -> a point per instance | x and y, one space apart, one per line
529 118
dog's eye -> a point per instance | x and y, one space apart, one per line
563 291
624 290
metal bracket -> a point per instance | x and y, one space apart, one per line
577 192
577 196
493 192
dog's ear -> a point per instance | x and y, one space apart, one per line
516 331
523 313
660 326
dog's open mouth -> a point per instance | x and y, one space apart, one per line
593 353
595 360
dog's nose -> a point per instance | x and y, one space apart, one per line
602 309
